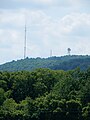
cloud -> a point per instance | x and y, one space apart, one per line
36 4
76 22
44 4
37 1
44 32
40 1
11 44
12 18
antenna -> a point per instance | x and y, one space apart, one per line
25 40
50 53
69 50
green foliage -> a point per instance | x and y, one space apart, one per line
2 97
73 110
86 112
3 84
54 63
45 94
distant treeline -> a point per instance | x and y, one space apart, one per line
54 63
45 94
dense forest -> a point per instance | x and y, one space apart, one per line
45 94
54 63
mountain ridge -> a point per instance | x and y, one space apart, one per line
54 63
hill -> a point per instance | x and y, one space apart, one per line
54 63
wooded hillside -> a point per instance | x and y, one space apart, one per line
54 63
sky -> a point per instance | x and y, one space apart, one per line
51 25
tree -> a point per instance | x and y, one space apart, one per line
3 84
74 110
86 112
8 109
2 97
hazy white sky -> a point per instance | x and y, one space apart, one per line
51 24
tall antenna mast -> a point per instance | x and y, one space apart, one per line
25 40
50 53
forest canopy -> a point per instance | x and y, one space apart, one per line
45 94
